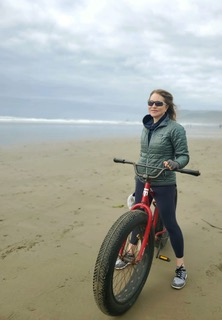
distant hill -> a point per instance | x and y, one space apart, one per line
212 117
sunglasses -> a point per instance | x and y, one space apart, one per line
157 103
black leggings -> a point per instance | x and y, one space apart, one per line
165 197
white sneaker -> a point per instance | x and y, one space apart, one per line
179 281
124 262
130 201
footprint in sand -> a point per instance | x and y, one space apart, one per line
214 269
22 245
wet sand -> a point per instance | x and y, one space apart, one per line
58 201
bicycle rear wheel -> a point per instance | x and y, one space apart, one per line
115 291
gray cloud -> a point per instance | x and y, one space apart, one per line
111 53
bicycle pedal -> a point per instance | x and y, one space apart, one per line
164 258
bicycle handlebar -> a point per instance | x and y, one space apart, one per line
195 173
186 171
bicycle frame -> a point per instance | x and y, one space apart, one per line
152 218
121 270
145 203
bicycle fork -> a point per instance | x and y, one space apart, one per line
147 230
145 206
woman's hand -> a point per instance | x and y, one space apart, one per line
170 164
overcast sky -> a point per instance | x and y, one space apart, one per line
110 53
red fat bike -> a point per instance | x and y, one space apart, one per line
116 290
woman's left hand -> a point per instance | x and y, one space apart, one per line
170 164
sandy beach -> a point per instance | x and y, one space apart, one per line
58 201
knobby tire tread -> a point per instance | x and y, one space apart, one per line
105 263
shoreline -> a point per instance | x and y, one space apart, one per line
12 134
58 200
82 140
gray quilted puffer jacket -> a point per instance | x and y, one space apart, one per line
168 141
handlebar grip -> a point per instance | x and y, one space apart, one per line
189 171
119 160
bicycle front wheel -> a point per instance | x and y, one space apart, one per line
115 291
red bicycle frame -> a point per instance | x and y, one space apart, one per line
145 203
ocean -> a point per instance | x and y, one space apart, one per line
20 130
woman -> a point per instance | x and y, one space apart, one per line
163 143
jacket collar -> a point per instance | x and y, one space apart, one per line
148 121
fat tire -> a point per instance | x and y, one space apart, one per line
105 297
